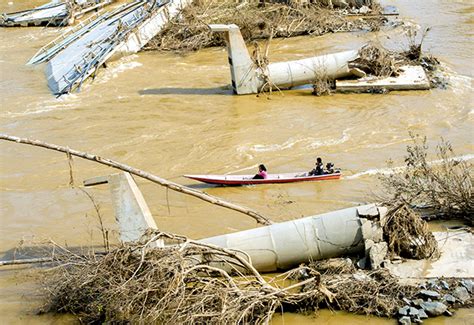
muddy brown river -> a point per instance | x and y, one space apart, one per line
171 115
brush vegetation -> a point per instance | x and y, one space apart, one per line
190 31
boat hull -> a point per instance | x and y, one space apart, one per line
247 179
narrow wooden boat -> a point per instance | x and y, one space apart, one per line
271 178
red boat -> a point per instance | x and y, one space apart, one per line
271 178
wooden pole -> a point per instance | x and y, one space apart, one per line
140 173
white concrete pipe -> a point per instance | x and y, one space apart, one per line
249 79
287 244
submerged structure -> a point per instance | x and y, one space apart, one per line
54 13
79 53
250 78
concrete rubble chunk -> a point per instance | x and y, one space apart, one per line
413 311
404 310
417 302
377 254
368 211
466 283
449 298
411 78
462 294
422 314
405 320
382 214
366 229
434 308
429 294
444 285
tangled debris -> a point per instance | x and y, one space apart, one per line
407 235
376 60
198 283
439 189
183 284
190 32
374 292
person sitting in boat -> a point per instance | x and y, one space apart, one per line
329 168
318 169
262 172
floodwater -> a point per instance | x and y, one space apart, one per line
171 115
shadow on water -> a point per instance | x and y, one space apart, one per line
45 251
205 186
202 186
225 90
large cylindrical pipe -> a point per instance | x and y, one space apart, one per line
306 71
287 244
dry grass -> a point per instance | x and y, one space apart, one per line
376 60
407 235
189 32
362 292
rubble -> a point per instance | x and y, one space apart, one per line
433 308
462 294
429 294
78 54
54 13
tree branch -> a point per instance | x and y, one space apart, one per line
140 173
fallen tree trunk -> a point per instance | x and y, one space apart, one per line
140 173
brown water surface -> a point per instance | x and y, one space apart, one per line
172 115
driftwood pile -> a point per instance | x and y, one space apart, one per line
193 282
199 283
190 32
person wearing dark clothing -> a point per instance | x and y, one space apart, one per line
262 172
318 169
329 168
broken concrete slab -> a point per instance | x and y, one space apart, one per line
429 294
404 310
433 308
410 78
405 320
462 294
377 254
422 314
449 298
456 260
466 283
